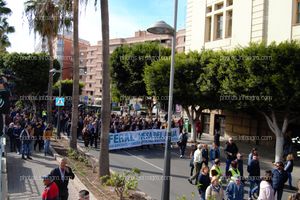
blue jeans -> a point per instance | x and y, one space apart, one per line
46 146
253 183
25 149
202 196
279 193
228 163
290 178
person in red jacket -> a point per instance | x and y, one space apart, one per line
51 190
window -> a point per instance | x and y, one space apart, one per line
219 27
91 77
298 12
92 93
208 29
206 122
219 6
229 23
90 85
208 9
229 2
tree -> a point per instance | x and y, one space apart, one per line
128 63
66 87
47 18
266 79
75 94
187 83
30 73
5 28
105 103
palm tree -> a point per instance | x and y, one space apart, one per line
47 17
75 94
4 26
105 108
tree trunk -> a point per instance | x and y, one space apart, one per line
105 108
50 83
75 94
279 133
279 148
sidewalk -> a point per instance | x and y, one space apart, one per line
24 177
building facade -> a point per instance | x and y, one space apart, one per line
93 59
226 24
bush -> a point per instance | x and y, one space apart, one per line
122 182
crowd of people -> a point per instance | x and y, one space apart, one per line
214 183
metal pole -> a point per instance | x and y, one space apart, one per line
167 160
58 107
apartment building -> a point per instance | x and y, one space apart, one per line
63 52
93 59
226 24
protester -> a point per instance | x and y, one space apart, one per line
266 191
193 149
254 174
216 168
231 151
10 133
214 190
199 129
233 171
279 178
61 176
250 156
183 138
47 138
235 189
38 135
205 154
289 165
240 163
16 133
51 191
203 182
214 153
197 163
26 141
84 195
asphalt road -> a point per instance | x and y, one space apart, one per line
150 162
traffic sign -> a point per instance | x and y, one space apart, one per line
60 101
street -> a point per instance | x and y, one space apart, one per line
150 162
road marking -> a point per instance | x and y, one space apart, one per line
144 161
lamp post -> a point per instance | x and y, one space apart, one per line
59 94
163 28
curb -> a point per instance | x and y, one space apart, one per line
76 180
4 179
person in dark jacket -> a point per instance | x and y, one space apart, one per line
231 151
235 189
289 165
10 133
25 138
279 178
183 138
240 163
61 176
16 133
193 149
203 182
214 153
254 174
205 154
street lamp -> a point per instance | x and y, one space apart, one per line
59 94
162 27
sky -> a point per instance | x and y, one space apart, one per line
126 17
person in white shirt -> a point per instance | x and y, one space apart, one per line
197 163
266 191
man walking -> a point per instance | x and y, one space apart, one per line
279 178
61 176
183 138
254 174
197 163
25 138
231 151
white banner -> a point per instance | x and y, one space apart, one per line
129 139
